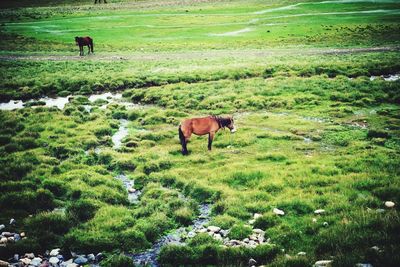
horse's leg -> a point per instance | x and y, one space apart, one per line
88 49
210 139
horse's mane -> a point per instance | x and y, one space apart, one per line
222 122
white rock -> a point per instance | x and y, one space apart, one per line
72 265
325 224
256 216
202 230
252 221
258 231
53 261
55 252
217 237
25 261
191 234
301 253
253 237
3 240
364 265
22 234
131 190
323 263
319 211
2 226
314 220
389 204
278 211
36 261
29 255
214 229
11 239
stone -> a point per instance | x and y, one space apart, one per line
53 261
252 262
7 234
224 233
29 255
26 261
99 257
91 257
314 220
246 240
65 263
261 239
301 253
253 237
3 263
258 231
214 229
252 243
36 261
16 257
72 265
364 265
217 236
202 230
3 240
256 216
131 190
2 226
191 234
389 204
325 224
11 239
278 211
323 263
12 221
17 237
319 211
44 264
252 221
54 252
80 260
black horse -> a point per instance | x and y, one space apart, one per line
99 1
84 41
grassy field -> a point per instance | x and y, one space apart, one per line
318 128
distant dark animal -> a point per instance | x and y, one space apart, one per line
84 41
202 126
99 1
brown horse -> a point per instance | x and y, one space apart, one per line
201 126
84 41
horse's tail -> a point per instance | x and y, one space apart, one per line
181 136
183 140
91 44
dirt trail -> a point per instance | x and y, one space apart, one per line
187 55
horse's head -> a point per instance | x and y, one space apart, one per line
77 40
231 126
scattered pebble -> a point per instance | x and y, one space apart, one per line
278 211
319 211
323 263
325 224
389 204
301 253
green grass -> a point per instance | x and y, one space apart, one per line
314 132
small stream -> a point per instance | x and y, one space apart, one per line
60 101
149 257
